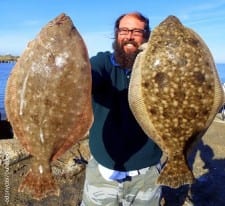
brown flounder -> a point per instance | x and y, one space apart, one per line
174 94
48 100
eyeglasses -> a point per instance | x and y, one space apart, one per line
135 32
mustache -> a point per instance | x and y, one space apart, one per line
129 42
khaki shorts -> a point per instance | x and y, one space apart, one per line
139 190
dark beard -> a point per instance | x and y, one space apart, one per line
123 59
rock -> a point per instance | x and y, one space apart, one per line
68 173
12 151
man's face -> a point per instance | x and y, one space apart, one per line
130 34
130 37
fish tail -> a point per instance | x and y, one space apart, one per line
39 185
175 174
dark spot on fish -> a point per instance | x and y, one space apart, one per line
179 95
164 137
175 130
210 87
199 77
190 114
207 64
205 112
47 102
161 79
145 84
153 111
165 114
193 42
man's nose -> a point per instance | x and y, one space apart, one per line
129 35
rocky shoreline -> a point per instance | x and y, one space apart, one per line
8 58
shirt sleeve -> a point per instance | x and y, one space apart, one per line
99 71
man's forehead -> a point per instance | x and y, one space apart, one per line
131 21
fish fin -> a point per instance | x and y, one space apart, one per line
39 185
175 174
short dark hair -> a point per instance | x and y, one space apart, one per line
139 16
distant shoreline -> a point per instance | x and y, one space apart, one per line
8 58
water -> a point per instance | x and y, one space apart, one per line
221 71
5 69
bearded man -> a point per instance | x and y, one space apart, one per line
123 168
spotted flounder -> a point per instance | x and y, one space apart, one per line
48 100
174 94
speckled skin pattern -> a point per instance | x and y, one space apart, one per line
175 94
48 100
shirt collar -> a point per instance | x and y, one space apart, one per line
113 60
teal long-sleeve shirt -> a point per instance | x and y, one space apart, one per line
116 140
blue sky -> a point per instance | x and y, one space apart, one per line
21 20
